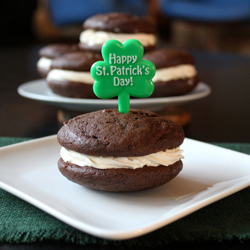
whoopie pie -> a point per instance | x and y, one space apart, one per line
176 73
50 52
70 74
111 151
119 26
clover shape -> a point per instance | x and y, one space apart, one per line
123 73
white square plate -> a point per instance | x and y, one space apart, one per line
29 171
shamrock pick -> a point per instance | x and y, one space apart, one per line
123 73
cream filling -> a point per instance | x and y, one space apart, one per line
173 73
92 37
165 158
44 63
68 75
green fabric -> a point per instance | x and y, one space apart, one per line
226 219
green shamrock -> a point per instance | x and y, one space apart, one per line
123 73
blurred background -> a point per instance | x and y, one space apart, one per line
203 24
216 32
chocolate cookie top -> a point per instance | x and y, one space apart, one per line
164 58
56 50
76 61
111 133
119 23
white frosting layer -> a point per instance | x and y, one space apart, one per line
173 73
68 75
165 158
44 63
92 37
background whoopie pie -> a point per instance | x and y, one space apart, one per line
120 26
175 72
50 52
70 74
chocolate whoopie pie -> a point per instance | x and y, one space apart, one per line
70 74
175 72
111 151
50 52
120 26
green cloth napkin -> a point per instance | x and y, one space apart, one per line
226 219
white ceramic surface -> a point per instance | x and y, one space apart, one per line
29 171
39 90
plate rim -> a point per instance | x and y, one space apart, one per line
67 100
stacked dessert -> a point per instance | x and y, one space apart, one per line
176 73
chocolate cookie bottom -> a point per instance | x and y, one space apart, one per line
121 179
72 89
42 72
175 87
